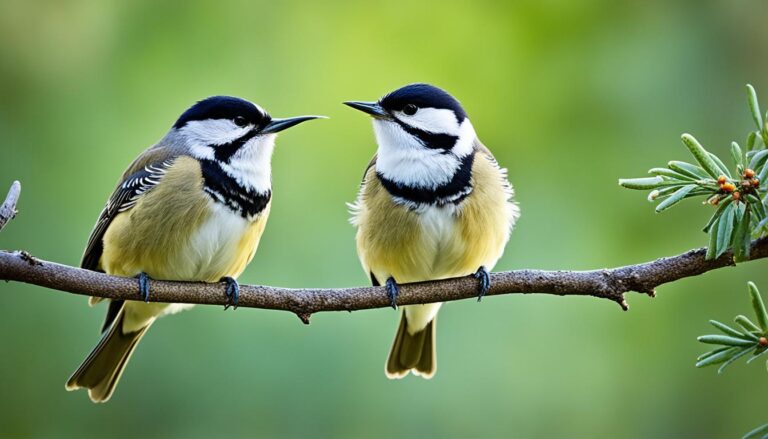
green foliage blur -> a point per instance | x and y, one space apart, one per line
569 96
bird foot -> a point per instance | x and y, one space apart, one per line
232 291
484 277
144 286
392 292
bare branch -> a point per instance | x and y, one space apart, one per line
8 209
609 284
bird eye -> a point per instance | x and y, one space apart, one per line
240 121
410 109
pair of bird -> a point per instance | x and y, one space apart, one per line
433 204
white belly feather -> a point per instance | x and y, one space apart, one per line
214 244
438 226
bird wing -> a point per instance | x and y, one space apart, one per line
479 147
141 176
371 164
482 149
357 205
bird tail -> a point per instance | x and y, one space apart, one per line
101 370
412 352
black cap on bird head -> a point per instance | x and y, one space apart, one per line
223 107
422 96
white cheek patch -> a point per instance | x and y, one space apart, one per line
466 142
251 165
201 152
433 120
403 159
213 131
392 137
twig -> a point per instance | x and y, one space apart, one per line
8 209
609 284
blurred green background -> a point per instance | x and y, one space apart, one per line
569 96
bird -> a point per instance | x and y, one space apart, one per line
192 207
433 204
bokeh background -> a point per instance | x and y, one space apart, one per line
570 96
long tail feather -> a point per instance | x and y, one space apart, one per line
412 352
103 367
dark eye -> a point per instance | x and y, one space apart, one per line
410 109
240 121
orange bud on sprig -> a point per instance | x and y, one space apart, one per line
755 182
748 173
736 196
721 180
728 187
763 341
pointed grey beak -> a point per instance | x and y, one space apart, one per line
372 108
276 125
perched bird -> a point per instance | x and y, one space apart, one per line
190 208
433 204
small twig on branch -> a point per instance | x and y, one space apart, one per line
8 209
609 284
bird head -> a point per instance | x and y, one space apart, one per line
422 132
236 135
224 128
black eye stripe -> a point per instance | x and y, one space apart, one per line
224 152
430 140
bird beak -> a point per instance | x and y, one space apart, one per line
276 125
372 108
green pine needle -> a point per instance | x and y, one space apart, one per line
736 344
740 198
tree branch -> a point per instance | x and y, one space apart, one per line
8 209
609 284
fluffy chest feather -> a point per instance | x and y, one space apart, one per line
409 244
225 243
221 230
437 226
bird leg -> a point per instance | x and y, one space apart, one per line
232 291
144 286
392 291
485 282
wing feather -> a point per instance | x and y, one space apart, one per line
357 205
141 176
482 149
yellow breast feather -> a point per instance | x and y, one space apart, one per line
487 216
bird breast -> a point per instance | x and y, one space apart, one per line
434 241
177 232
225 243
